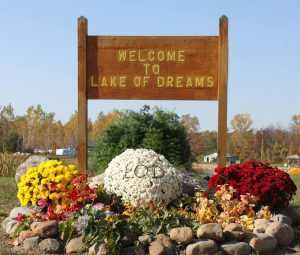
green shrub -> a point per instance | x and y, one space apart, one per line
158 130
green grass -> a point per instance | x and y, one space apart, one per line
8 195
296 200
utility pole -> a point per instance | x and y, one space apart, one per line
262 150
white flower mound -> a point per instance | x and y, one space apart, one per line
141 176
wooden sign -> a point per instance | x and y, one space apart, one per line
152 68
156 68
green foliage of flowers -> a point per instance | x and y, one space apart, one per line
107 218
160 131
223 207
156 221
98 224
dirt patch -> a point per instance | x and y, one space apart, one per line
204 169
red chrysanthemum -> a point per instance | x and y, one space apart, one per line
270 185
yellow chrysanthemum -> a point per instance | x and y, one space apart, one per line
51 181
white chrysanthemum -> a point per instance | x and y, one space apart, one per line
141 176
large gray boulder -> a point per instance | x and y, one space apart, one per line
190 182
30 162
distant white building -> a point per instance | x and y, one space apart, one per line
211 158
231 159
293 160
66 152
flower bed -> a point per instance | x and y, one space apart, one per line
270 185
66 215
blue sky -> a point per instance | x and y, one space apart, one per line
38 53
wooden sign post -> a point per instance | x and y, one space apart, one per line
152 68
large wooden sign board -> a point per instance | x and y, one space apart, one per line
152 68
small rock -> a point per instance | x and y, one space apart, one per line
263 243
46 229
11 226
127 238
14 228
290 212
75 245
25 234
236 248
50 245
34 225
206 247
234 231
282 232
133 251
161 246
15 211
99 249
249 236
261 224
282 218
6 220
293 214
145 239
31 243
30 162
182 235
211 231
259 230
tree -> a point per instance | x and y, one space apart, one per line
12 142
191 124
241 123
296 122
295 131
6 124
34 136
242 137
158 130
208 142
71 131
103 122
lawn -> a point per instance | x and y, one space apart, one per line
296 201
8 195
